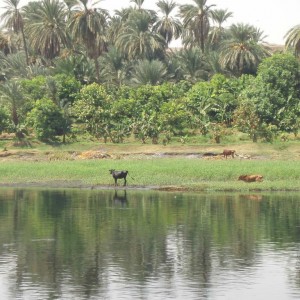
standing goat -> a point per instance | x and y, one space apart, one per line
119 175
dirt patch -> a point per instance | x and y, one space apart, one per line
255 151
57 184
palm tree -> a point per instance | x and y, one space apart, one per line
70 3
88 26
11 95
149 72
217 32
137 40
5 46
243 52
115 70
46 27
193 64
114 28
213 58
138 3
123 16
13 20
293 39
167 26
138 6
13 65
196 22
79 66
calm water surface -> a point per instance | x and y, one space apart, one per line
80 244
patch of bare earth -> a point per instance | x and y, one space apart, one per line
111 151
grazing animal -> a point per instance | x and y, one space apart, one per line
227 152
251 178
119 175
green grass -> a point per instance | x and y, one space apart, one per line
54 165
190 173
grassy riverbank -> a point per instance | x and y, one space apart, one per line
175 166
182 173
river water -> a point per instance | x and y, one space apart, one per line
94 244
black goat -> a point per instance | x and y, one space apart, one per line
118 175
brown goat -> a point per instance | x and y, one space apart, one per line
227 152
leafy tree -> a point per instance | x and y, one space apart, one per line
47 120
213 102
35 88
247 120
67 88
147 127
149 99
121 114
224 93
173 117
198 105
275 92
4 119
92 108
217 131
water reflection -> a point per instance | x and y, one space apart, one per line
120 244
120 199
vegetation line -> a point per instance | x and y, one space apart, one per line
69 68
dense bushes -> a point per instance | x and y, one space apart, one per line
47 120
261 106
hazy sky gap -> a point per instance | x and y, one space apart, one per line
273 17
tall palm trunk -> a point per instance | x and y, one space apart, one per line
97 67
25 46
15 119
202 37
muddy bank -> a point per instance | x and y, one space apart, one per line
57 184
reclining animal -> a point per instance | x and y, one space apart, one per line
251 178
119 175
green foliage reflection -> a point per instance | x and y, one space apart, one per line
84 235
